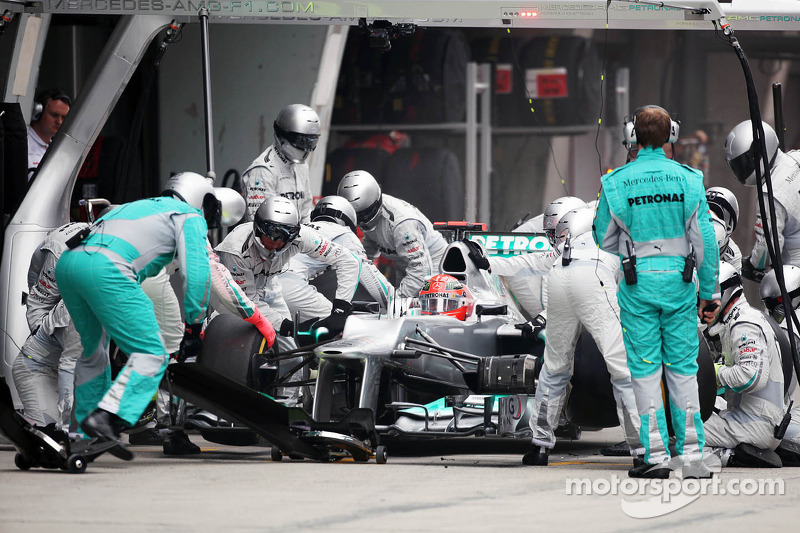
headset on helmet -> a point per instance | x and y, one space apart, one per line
364 194
730 284
335 209
196 191
554 212
40 102
724 204
297 131
277 219
629 128
771 291
741 150
445 295
574 223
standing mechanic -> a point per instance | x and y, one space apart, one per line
581 294
740 153
395 229
282 168
653 213
99 280
751 377
335 219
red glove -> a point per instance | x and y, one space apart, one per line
263 325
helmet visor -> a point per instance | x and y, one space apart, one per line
275 231
439 305
366 215
774 306
302 141
212 210
745 164
326 212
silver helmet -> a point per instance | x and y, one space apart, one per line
335 209
297 131
364 194
277 219
574 223
730 284
198 192
724 204
740 151
232 204
771 291
720 232
554 212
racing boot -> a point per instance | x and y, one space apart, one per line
621 449
536 456
644 470
106 427
789 452
748 456
178 443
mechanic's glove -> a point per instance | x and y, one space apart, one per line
263 325
287 328
531 330
334 323
477 255
750 272
192 342
720 387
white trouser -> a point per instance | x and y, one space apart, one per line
730 428
302 299
576 299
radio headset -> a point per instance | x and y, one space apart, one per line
42 99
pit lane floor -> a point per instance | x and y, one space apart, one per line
240 489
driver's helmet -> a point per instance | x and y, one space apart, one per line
771 291
445 295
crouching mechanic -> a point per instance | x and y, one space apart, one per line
43 372
99 279
751 377
256 254
395 229
789 448
581 294
335 219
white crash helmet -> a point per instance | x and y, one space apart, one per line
361 189
740 151
574 223
724 204
730 284
554 212
720 232
232 205
771 291
196 191
278 220
297 131
335 209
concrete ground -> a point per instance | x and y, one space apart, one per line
241 489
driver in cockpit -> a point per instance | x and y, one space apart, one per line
445 295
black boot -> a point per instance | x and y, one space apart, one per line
621 449
644 470
106 427
748 456
789 452
179 444
535 456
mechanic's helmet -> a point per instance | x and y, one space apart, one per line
198 192
771 292
297 131
741 150
276 224
232 204
364 194
445 295
555 211
335 209
730 284
720 232
724 204
574 223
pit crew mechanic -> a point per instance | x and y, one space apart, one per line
725 208
740 153
282 168
335 219
395 229
654 211
99 280
751 376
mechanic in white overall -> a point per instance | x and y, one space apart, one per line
255 254
282 169
582 293
335 219
750 375
395 229
789 448
43 372
740 153
725 209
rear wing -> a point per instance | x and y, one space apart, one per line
502 244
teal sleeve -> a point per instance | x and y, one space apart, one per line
193 256
704 243
602 224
